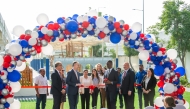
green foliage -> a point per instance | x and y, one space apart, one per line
184 82
113 53
87 67
130 51
97 50
175 20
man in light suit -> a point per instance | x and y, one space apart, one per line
127 86
56 87
73 84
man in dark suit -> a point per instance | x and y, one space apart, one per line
127 86
111 85
56 87
73 84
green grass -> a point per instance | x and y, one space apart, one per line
49 103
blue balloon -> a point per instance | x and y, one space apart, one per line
106 17
158 70
23 43
155 48
162 108
92 20
115 38
1 86
72 26
75 16
60 20
180 70
147 47
13 41
56 33
130 31
180 97
14 76
40 34
111 27
53 39
84 35
91 32
148 36
6 105
146 42
132 42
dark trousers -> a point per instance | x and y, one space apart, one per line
120 99
73 100
95 97
56 101
41 98
85 98
101 100
111 99
148 99
129 101
140 98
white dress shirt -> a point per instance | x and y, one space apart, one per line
86 82
146 82
41 81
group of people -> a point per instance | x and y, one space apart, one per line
106 81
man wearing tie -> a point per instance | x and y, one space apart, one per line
127 86
111 85
73 84
56 87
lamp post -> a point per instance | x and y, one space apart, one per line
140 61
100 15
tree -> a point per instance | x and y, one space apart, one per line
175 20
97 50
130 52
113 53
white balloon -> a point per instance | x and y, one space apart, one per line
172 53
101 22
186 105
158 101
3 77
168 88
106 30
10 100
44 30
18 63
15 49
140 49
5 72
32 41
80 19
29 59
85 18
18 30
42 19
16 86
97 31
159 53
22 67
47 50
1 60
34 34
149 107
133 36
137 43
7 46
90 27
136 27
143 55
167 70
15 105
92 13
106 39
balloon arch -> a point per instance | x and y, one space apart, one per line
104 28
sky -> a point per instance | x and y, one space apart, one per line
24 12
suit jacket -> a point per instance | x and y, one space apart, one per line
56 85
151 84
71 82
113 77
127 83
169 108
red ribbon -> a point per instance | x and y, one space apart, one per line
91 87
135 84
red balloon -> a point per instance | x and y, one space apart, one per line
142 35
163 50
6 64
126 27
95 17
27 37
47 38
101 35
66 32
50 26
178 75
56 26
7 58
85 24
22 36
117 25
119 30
61 39
40 27
160 83
162 78
39 49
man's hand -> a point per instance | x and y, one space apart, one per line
78 84
38 95
108 82
63 91
129 93
119 91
